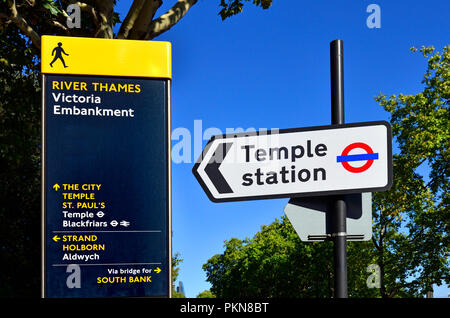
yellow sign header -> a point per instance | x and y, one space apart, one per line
108 57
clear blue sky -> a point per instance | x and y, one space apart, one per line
270 69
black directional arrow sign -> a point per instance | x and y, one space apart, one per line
310 161
212 168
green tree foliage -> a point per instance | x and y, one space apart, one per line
20 132
410 242
275 263
412 220
233 7
206 294
176 261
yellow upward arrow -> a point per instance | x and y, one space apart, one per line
158 270
56 187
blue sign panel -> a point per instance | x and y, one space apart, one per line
106 187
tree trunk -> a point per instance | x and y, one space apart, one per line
144 19
105 12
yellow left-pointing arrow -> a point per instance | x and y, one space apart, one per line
56 238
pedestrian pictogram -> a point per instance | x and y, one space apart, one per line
57 52
369 157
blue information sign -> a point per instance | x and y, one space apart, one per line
106 187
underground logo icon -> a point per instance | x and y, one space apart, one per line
369 157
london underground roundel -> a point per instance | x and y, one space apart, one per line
368 157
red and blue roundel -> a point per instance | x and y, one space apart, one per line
369 157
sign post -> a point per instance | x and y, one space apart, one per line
339 209
106 211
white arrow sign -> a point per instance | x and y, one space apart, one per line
307 161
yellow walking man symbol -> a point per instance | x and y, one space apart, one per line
57 52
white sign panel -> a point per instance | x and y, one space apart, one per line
308 161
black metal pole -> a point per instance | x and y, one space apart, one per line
338 207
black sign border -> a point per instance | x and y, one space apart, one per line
305 194
168 174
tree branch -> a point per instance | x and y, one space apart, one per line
23 25
130 19
374 241
398 287
144 19
105 12
169 19
59 25
88 8
31 2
